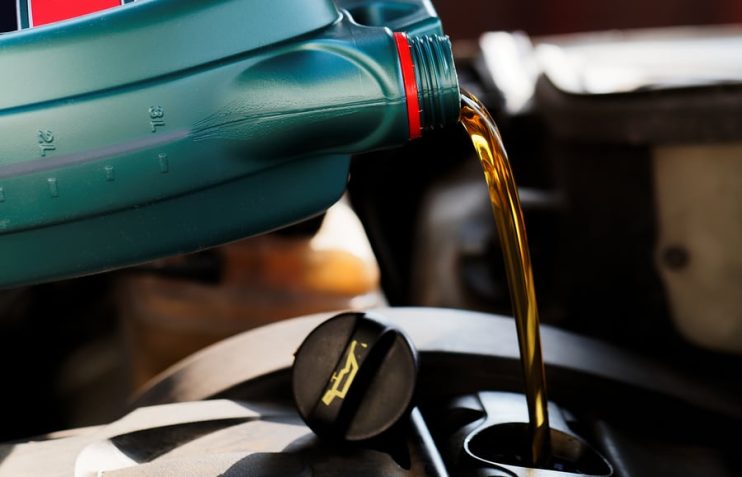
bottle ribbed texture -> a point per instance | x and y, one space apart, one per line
437 83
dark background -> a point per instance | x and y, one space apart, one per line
7 15
468 18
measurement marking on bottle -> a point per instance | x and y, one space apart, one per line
156 117
46 141
164 163
53 188
110 173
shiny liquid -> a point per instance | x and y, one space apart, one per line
512 232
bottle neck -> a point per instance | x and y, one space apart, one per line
431 84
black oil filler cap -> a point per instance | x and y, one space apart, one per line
354 377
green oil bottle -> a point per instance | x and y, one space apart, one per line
168 126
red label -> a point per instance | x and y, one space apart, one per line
42 12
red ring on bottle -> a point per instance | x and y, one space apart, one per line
410 84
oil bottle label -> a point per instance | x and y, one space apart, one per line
34 13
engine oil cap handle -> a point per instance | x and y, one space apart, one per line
354 377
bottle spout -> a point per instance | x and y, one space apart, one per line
431 83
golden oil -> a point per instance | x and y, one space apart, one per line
511 229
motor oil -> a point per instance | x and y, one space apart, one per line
161 127
511 229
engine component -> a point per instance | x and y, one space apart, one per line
354 377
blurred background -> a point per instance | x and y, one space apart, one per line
604 170
466 19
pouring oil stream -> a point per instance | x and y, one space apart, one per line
511 229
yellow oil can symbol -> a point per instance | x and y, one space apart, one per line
340 382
